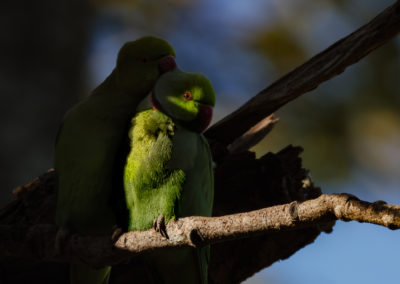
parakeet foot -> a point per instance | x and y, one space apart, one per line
159 226
61 238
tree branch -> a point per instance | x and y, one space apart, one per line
195 231
323 66
254 135
201 231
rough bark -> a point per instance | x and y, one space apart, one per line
254 135
275 179
196 231
32 245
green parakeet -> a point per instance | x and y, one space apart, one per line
88 142
169 170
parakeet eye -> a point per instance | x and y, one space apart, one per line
144 59
187 96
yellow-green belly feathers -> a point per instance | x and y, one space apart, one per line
168 172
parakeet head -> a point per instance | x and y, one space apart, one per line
141 62
186 97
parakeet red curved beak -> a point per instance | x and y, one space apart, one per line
167 63
203 118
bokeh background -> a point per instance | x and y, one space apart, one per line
53 52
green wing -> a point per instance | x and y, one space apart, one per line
81 157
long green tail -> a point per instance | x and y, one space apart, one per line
84 274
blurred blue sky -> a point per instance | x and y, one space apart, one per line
352 253
209 37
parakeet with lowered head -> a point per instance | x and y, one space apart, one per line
88 143
169 170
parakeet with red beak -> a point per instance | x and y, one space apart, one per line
169 170
89 140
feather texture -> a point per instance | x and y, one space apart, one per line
169 172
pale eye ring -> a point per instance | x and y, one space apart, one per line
187 96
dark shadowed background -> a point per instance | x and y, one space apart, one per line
53 52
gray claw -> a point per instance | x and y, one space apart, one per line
117 232
159 226
61 238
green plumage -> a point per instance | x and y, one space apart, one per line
169 171
153 185
89 141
